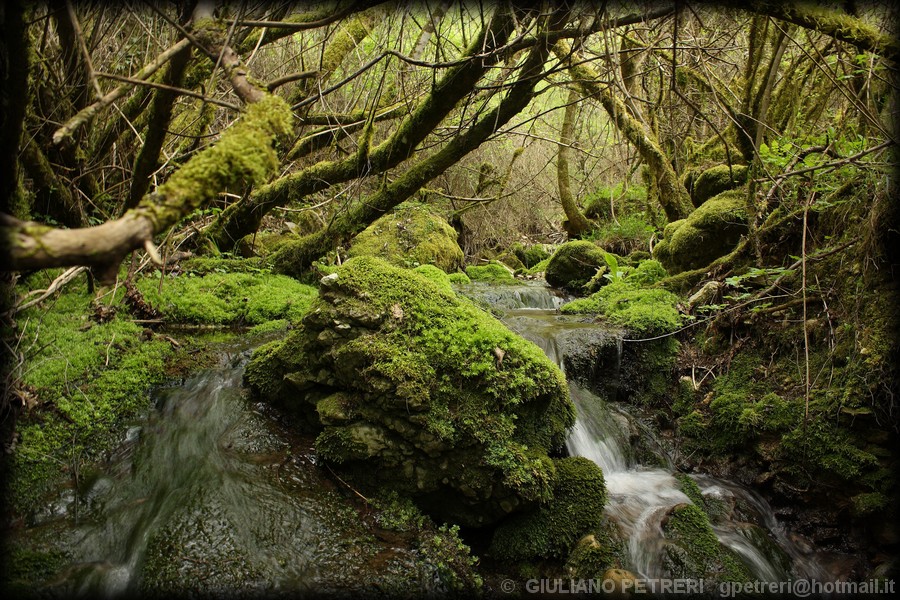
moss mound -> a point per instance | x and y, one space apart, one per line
716 180
553 529
416 389
83 380
492 273
222 298
531 255
709 232
434 274
459 278
574 264
629 302
412 235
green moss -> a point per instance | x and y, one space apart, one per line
228 298
540 267
398 513
410 236
270 326
711 231
23 569
694 552
574 264
434 274
493 273
459 278
716 180
595 553
642 311
552 530
86 379
420 369
531 255
243 156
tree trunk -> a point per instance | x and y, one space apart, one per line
673 197
577 224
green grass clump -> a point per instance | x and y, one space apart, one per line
228 298
629 233
493 272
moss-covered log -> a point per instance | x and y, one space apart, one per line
244 217
834 23
243 155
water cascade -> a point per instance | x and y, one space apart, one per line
642 484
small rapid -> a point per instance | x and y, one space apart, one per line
640 477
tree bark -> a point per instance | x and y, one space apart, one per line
577 224
157 124
673 197
244 217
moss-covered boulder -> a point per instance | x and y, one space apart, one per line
411 235
574 264
716 180
493 272
531 255
708 233
554 528
413 388
692 550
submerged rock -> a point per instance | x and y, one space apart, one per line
403 381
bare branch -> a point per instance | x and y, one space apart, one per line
87 114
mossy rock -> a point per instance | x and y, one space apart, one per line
492 272
552 530
459 278
716 180
574 264
410 236
692 550
415 389
531 255
434 274
708 233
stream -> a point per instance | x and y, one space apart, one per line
210 493
641 481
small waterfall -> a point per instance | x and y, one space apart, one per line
642 495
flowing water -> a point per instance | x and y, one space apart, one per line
209 494
639 473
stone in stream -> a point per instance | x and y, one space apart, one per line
400 378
